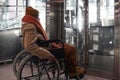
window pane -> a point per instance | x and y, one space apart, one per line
11 14
13 2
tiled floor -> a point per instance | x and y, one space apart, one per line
6 73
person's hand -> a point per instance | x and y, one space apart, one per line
54 45
51 58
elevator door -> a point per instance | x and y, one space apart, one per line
101 35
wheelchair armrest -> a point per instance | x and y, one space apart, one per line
47 42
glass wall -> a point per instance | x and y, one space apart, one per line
89 25
11 13
101 35
73 23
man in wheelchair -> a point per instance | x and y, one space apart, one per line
32 31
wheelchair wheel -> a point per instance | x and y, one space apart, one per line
18 59
32 68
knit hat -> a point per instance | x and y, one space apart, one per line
31 11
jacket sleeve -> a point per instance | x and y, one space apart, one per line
30 37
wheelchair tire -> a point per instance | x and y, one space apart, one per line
17 61
43 70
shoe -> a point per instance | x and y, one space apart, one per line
79 72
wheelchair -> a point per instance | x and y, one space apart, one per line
29 67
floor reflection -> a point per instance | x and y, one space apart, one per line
6 73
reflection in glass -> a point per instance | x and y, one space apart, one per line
101 31
11 13
73 23
10 16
